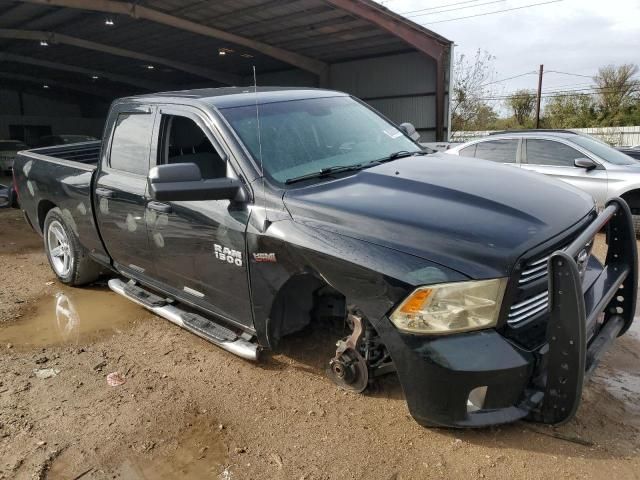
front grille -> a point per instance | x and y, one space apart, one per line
529 308
533 296
533 271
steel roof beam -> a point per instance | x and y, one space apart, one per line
51 37
412 34
55 83
138 11
153 86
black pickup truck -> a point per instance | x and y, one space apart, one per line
245 215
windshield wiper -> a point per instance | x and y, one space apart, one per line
400 154
325 172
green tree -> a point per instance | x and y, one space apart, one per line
521 103
617 93
570 111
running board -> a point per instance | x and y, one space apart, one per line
197 324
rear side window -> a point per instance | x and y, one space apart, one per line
548 152
130 145
503 151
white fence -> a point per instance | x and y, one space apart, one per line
616 136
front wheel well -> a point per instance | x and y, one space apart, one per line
301 300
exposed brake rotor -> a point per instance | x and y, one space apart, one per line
348 369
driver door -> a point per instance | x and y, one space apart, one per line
198 247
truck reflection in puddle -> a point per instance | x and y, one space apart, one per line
71 316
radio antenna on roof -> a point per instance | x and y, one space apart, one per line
264 196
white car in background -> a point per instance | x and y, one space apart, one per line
8 151
578 159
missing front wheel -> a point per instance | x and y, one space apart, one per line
359 357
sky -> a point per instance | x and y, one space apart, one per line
573 36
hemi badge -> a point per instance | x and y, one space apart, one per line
265 257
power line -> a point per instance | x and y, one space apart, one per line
494 12
568 73
439 6
508 78
456 9
551 93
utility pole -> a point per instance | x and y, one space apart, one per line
539 96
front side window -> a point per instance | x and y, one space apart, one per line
130 145
503 151
185 142
549 152
300 137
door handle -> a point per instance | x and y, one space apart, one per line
159 207
104 192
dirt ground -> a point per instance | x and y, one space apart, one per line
191 410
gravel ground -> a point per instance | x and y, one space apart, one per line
190 410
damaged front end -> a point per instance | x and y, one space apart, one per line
562 310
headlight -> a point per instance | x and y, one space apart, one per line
451 307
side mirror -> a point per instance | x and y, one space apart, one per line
183 182
410 131
585 163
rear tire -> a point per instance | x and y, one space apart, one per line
67 258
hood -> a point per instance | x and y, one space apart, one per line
470 215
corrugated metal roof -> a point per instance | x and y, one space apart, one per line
313 28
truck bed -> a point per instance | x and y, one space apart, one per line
61 177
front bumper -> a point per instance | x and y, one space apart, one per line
438 374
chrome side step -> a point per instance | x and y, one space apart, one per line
197 324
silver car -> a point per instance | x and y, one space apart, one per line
575 158
8 151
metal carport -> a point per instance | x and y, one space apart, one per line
88 52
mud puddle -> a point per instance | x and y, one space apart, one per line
71 316
198 452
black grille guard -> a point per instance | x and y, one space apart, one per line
572 357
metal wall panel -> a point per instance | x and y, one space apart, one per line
406 82
407 73
420 111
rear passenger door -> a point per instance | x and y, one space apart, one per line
198 247
557 159
120 189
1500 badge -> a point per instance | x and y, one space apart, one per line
228 255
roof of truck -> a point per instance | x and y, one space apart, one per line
227 97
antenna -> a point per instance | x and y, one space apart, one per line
264 196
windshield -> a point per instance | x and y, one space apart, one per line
300 137
603 150
12 146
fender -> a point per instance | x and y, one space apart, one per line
372 277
